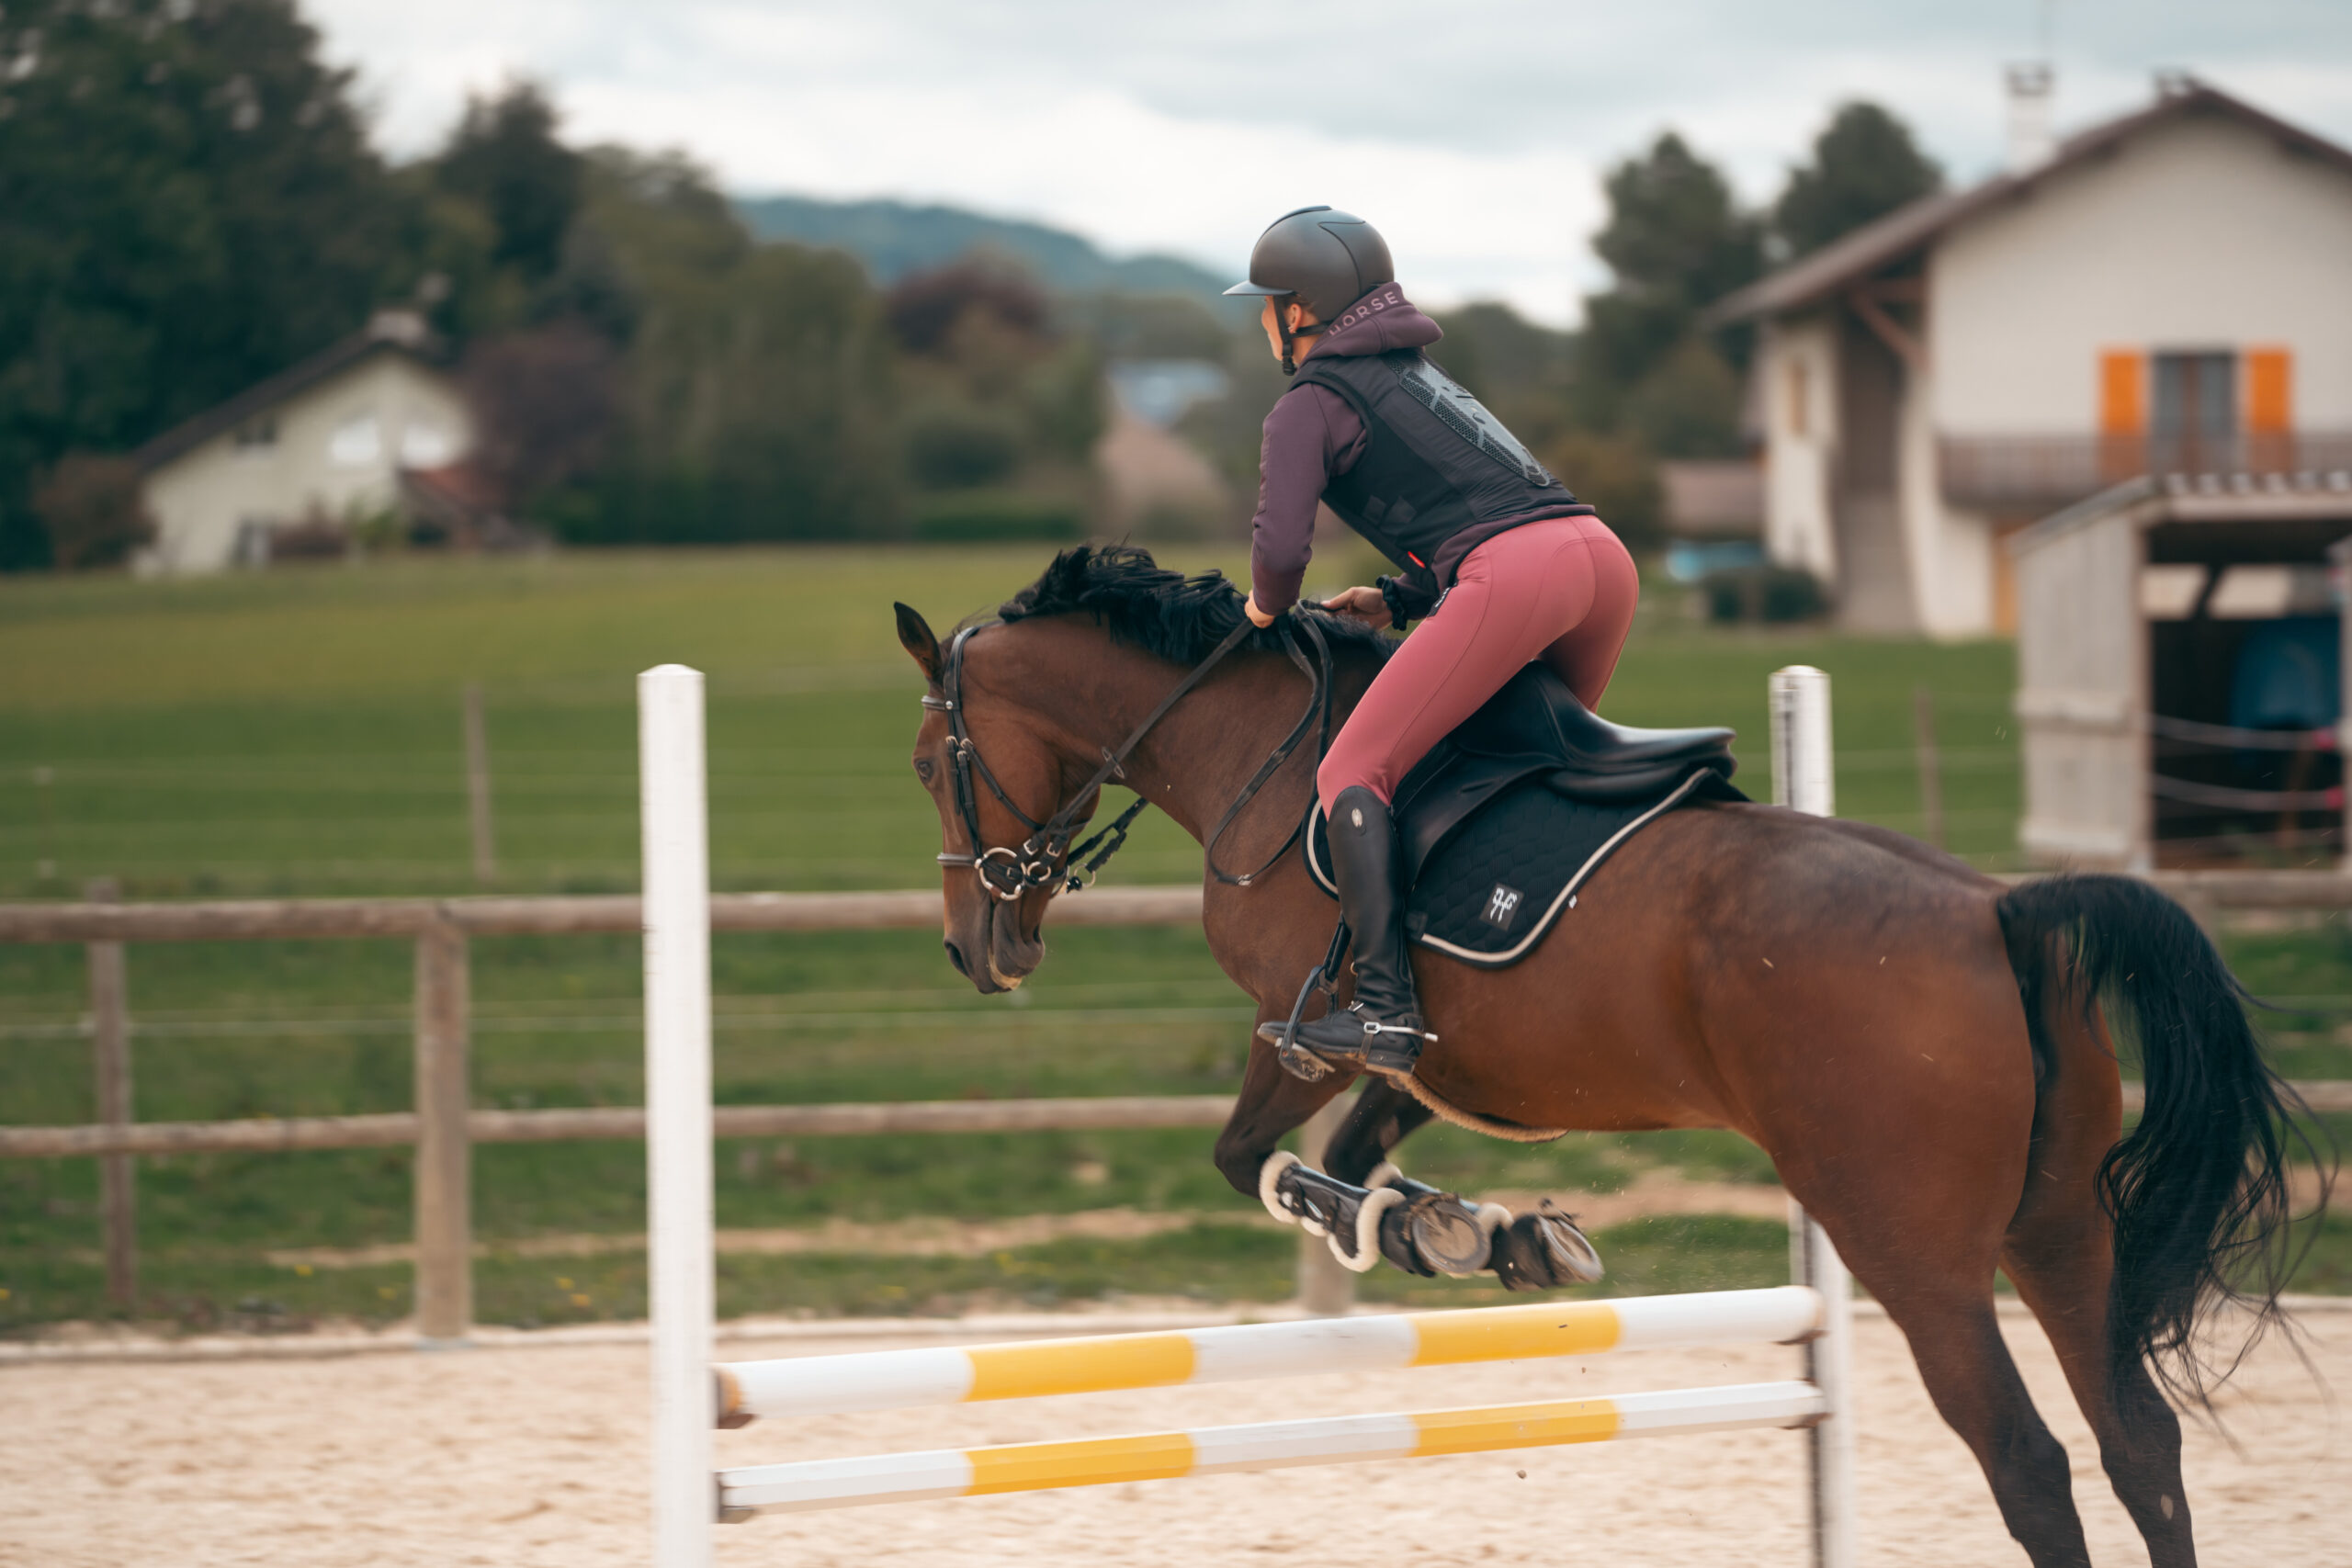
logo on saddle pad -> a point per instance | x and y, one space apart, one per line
1502 907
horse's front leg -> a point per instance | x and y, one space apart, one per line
1361 1222
1527 1252
1272 1103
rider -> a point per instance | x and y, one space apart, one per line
1499 559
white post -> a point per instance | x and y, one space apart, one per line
1805 778
677 1109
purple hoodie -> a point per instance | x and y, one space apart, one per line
1313 434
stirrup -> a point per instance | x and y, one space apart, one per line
1366 1050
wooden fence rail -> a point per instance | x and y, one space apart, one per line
261 919
443 1127
277 1134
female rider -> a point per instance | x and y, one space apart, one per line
1500 563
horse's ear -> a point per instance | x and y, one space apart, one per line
915 636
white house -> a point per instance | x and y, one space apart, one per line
337 438
2166 293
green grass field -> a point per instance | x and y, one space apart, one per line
297 734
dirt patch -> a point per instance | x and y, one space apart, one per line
897 1238
1653 1192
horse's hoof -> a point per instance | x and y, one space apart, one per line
1446 1234
1545 1251
1573 1258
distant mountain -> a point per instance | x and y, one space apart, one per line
894 239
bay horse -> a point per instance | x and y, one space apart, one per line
1917 1047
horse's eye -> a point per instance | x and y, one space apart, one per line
923 769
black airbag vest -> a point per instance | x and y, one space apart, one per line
1435 462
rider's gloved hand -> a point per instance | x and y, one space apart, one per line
1257 617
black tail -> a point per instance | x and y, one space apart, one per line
2197 1191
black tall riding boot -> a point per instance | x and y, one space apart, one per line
1381 1030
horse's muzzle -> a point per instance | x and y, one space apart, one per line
997 957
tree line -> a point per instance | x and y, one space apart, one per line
190 202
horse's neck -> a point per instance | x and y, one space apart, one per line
1199 757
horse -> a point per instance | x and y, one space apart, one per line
1920 1049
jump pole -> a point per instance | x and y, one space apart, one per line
677 1107
1804 779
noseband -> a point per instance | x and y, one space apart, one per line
1045 859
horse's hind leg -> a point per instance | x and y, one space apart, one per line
2059 1254
1918 1194
2059 1265
1976 1389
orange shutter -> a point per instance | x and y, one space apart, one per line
2269 391
2122 414
2122 392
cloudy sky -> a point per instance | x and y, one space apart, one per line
1474 132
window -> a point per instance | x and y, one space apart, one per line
356 441
257 435
424 445
2196 423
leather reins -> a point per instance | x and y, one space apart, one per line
1046 857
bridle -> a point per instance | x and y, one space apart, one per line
1045 859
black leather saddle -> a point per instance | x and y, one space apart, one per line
1534 728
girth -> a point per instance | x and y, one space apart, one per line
1046 857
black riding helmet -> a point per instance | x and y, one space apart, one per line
1323 258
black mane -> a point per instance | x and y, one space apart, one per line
1143 604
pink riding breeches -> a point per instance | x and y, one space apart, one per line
1561 590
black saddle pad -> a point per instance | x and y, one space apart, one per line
1490 890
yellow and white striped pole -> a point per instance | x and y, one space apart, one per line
898 1380
813 1484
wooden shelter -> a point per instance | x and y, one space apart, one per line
2181 670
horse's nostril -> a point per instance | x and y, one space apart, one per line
956 956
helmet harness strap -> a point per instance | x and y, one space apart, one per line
1292 335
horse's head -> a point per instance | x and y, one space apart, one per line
991 939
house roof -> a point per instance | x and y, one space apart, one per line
2203 498
394 331
461 487
1856 256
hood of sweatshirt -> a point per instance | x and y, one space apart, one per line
1379 321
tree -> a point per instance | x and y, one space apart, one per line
187 204
928 309
91 508
757 390
1676 242
1674 234
504 156
1618 477
1865 165
544 404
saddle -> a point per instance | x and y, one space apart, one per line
1506 817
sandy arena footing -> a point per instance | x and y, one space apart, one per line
510 1456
